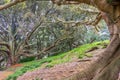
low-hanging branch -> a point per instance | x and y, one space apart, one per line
45 50
7 5
89 10
64 2
75 23
5 44
5 51
28 36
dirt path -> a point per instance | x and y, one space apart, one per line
54 73
5 74
57 72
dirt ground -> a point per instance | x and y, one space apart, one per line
54 73
60 71
5 74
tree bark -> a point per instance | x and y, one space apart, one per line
111 61
105 66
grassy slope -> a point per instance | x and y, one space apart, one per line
54 60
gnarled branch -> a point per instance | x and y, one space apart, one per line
7 5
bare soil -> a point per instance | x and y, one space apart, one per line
60 71
5 74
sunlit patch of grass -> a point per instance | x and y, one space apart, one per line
58 59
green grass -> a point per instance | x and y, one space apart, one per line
58 59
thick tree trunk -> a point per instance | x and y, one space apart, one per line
110 61
105 66
111 64
111 71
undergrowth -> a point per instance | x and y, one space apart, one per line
58 59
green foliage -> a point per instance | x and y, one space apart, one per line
7 1
82 49
113 2
27 59
57 59
109 1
